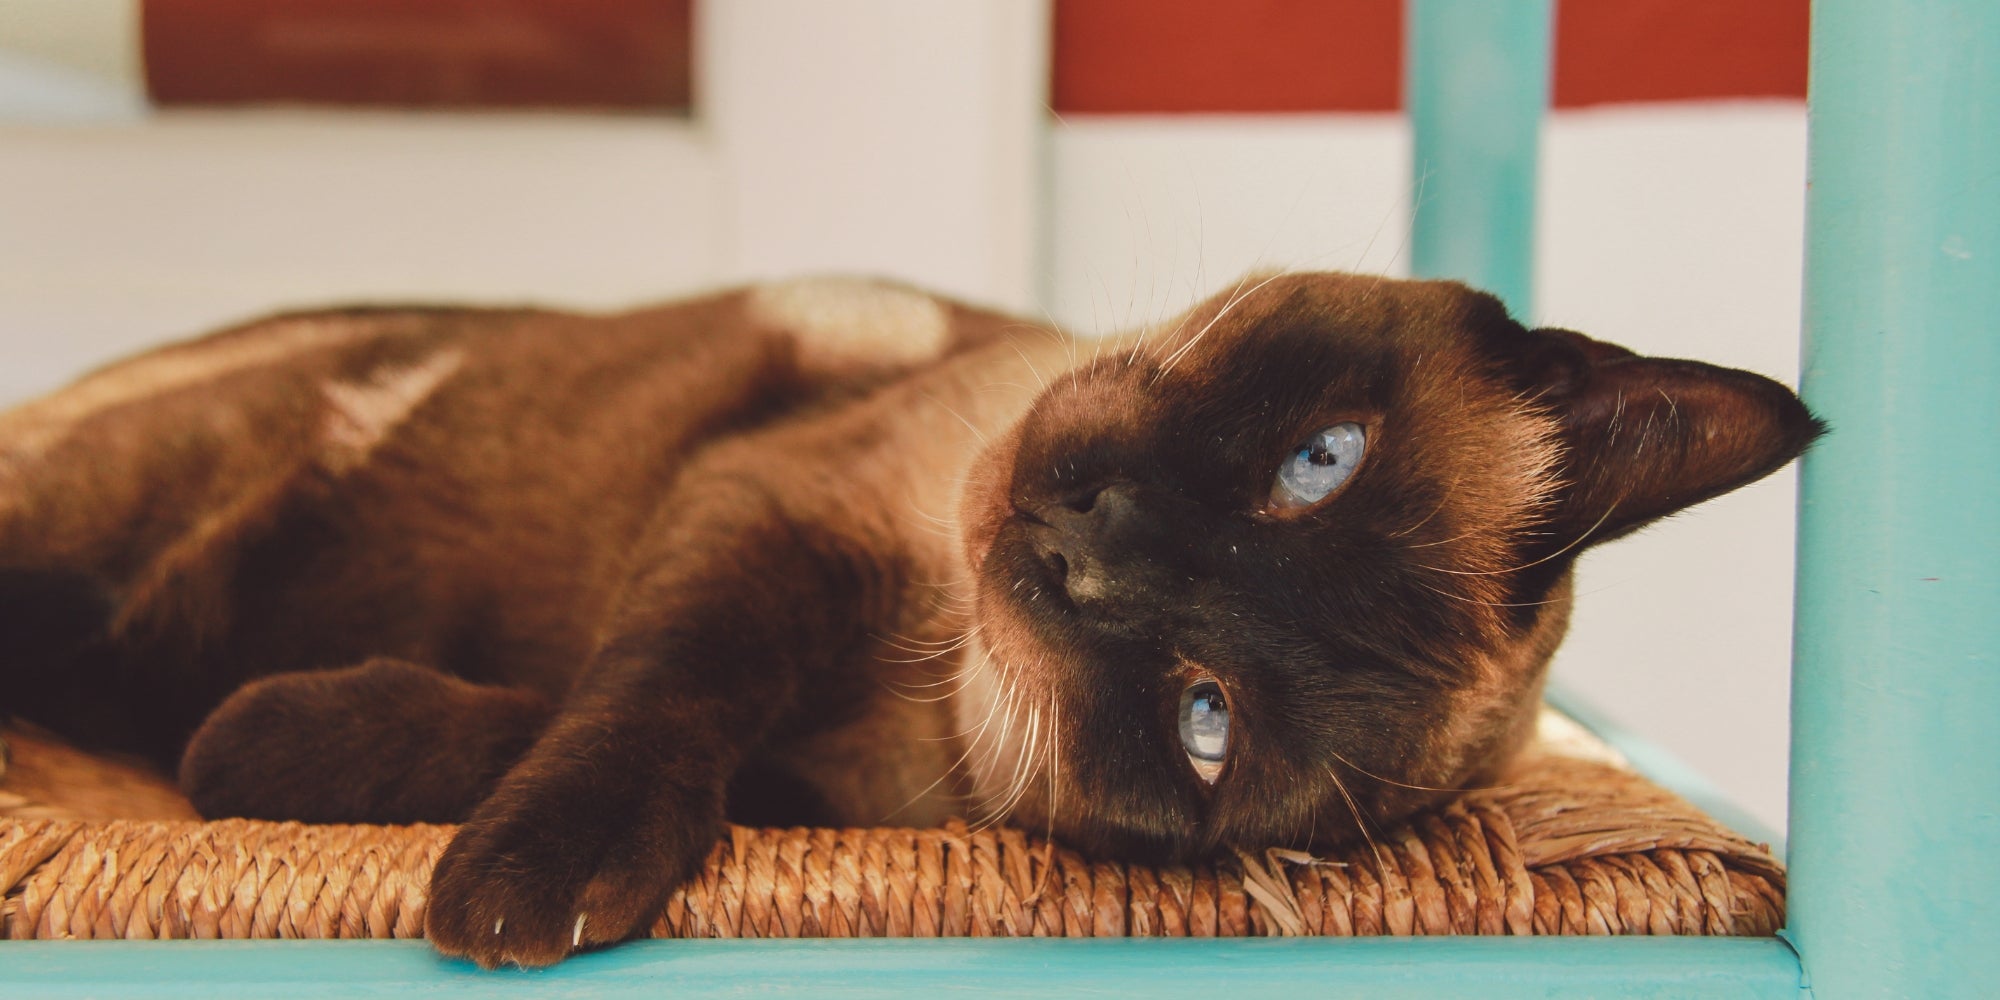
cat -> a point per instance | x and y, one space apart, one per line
1285 568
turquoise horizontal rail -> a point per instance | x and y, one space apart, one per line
1378 968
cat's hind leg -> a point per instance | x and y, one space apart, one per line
383 742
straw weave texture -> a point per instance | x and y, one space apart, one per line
1565 846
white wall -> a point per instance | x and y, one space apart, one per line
1679 230
67 60
120 228
117 236
1675 230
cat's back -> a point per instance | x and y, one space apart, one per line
453 486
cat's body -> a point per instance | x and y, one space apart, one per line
833 552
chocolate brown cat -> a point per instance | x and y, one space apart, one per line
832 552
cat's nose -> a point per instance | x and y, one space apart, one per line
1090 541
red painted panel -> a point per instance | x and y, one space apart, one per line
1679 50
1140 56
590 53
1239 56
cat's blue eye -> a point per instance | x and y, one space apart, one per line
1205 728
1319 466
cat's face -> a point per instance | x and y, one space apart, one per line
1297 562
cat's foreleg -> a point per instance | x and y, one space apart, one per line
383 742
621 800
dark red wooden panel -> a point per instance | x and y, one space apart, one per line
1679 50
1227 55
573 53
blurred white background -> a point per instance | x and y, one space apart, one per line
911 138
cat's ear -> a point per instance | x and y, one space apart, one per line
1645 437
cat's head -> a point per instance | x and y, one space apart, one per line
1303 555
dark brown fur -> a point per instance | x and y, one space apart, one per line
590 584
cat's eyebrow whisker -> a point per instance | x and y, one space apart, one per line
1444 501
1235 296
1579 540
1227 307
1443 541
1403 241
1487 604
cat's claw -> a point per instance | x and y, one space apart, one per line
514 892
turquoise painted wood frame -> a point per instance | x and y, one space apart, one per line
1895 838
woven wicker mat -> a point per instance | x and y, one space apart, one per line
1566 846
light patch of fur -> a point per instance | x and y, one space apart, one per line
1556 733
31 429
361 415
845 321
1517 441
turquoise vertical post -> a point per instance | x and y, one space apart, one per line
1477 84
1895 838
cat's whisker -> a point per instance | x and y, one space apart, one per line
911 644
1005 703
975 733
953 676
912 641
1018 778
1026 765
1364 772
932 524
959 680
1032 765
922 655
1032 370
955 768
1360 821
976 432
1054 769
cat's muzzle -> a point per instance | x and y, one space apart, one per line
1104 548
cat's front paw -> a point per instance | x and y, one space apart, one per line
529 888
